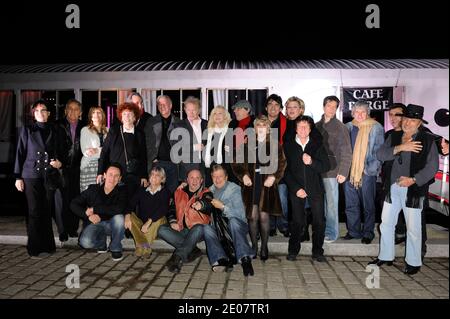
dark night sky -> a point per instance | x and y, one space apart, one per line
33 32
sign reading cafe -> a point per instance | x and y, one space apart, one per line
379 99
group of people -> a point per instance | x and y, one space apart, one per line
189 180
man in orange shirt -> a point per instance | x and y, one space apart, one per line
185 229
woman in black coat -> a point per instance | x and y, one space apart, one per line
306 161
37 155
125 144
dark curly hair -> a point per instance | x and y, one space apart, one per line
129 106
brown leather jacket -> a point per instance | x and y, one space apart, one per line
184 210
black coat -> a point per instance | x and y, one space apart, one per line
153 131
114 151
193 139
298 175
72 150
31 149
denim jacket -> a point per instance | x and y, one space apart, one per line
372 165
232 199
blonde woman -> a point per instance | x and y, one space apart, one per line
91 140
215 150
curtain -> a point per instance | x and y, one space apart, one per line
149 97
28 98
219 97
6 110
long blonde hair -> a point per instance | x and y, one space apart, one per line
91 126
211 123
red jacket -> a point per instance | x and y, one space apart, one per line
183 208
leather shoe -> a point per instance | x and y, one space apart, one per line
399 240
319 258
379 262
264 254
291 257
348 237
174 264
366 240
273 232
411 270
63 237
196 252
247 268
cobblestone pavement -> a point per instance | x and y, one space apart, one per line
101 277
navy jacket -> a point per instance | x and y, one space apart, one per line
31 149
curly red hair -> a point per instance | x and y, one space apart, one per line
128 106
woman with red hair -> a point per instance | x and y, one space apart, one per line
125 144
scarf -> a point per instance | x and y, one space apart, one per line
360 151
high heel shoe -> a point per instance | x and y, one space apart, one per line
264 254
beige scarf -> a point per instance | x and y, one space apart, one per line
360 150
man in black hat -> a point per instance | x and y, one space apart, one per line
411 161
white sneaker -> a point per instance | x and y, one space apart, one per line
328 240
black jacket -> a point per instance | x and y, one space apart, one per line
298 175
72 150
192 138
31 149
105 205
153 131
114 151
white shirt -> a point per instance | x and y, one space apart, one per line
148 189
197 128
128 131
297 139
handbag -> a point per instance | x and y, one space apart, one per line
53 178
132 165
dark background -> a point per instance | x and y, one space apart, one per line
35 31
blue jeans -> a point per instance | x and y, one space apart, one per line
239 231
184 241
331 206
94 235
413 218
281 222
171 170
364 195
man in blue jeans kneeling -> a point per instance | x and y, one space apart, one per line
103 206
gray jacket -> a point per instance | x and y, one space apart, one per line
372 165
231 197
336 141
153 131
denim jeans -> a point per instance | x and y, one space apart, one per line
353 197
281 222
413 219
94 235
331 206
184 241
171 170
239 231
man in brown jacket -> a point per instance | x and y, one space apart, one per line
336 141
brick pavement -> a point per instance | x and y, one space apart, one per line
102 278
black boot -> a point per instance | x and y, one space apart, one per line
247 268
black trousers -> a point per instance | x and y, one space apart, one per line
298 222
39 225
70 190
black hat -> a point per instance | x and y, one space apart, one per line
414 112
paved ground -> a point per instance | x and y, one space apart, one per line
100 277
